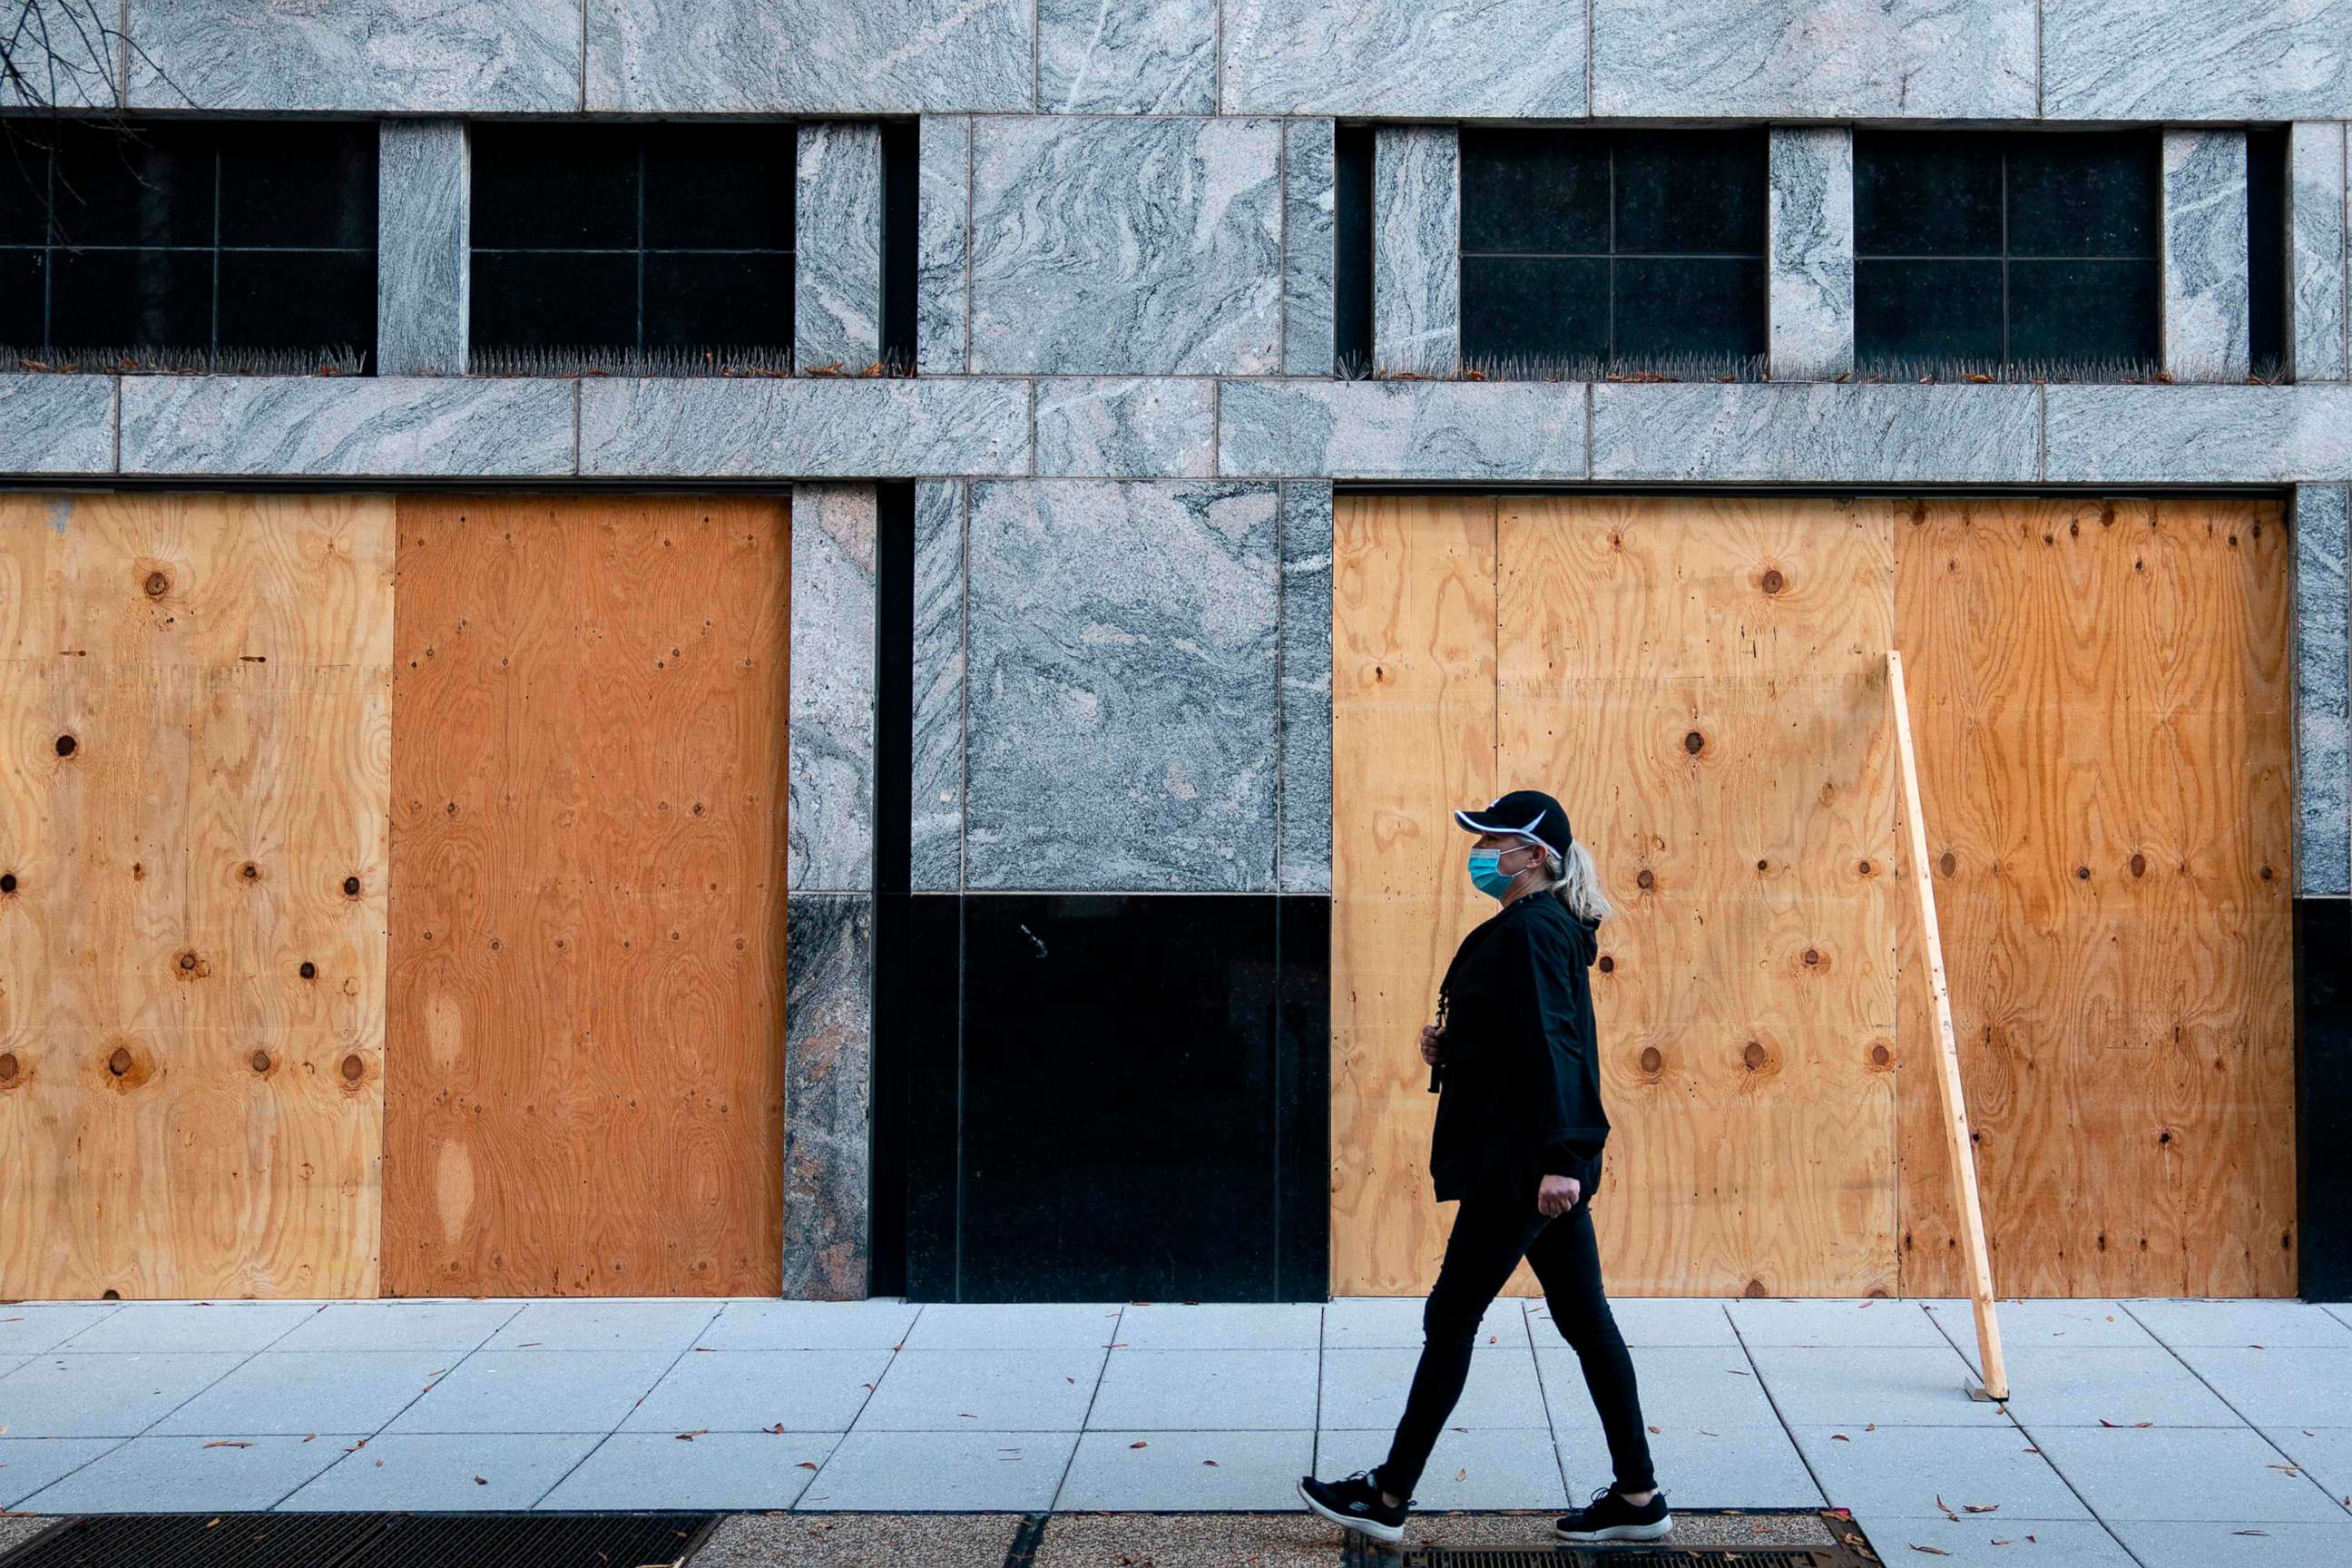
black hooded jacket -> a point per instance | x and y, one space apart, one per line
1521 1089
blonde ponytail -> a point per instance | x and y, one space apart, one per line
1575 883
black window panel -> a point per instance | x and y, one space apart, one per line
297 299
1690 191
1352 277
2075 311
2266 272
24 186
148 185
2088 193
1552 306
22 298
555 186
1926 192
1933 309
116 298
1689 305
728 190
901 220
550 299
721 298
1543 191
299 185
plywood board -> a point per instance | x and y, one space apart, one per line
192 897
586 1000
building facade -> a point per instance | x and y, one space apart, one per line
1163 387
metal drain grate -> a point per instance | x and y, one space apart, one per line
1632 1557
367 1540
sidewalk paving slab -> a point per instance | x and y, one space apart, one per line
1061 1325
1363 1388
14 1532
1389 1323
30 1328
452 1327
1188 1472
293 1393
760 1325
1865 1321
1680 1386
1701 1464
1483 1467
1902 1471
984 1391
434 1472
2275 1323
2325 1453
28 1464
1990 1542
859 1541
2297 1386
718 1470
752 1391
191 1475
161 1326
2182 1474
119 1395
1895 1385
537 1390
1647 1321
1197 1390
955 1472
606 1323
1288 1540
2175 1545
2055 1387
2042 1323
1247 1326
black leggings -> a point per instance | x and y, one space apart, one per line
1490 1237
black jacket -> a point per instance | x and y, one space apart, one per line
1521 1089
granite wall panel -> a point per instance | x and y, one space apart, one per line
425 211
829 818
1091 428
1810 249
1824 433
1126 56
1474 432
810 57
943 245
2323 692
819 427
58 424
1310 258
1302 852
346 427
1404 58
936 857
2317 261
828 1095
2198 435
2212 59
2205 263
1417 249
837 247
355 56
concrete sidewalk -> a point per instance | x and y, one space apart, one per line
2149 1432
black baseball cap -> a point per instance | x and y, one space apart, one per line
1526 814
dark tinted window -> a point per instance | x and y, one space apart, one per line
1612 249
2266 160
2005 248
632 236
1351 278
189 236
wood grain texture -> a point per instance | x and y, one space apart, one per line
587 1019
1413 675
182 1110
2100 693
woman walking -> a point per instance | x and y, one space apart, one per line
1518 1138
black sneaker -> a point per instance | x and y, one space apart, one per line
1355 1504
1608 1517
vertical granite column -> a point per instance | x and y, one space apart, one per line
837 247
2323 692
2206 322
943 245
1810 252
936 861
1309 258
424 199
1417 249
2317 343
829 908
1303 846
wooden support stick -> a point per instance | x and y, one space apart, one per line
1956 1108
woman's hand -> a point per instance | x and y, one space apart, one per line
1432 1044
1558 1195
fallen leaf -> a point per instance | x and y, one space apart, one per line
1653 1431
1979 1506
2249 1532
1930 1550
527 1344
1462 1475
228 1443
1871 1426
1737 1372
690 1437
480 1481
311 1438
1947 1508
1138 1444
966 1415
1212 1464
1839 1437
778 1429
807 1465
2001 1541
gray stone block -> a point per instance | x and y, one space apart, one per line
1164 427
803 428
1463 430
384 57
937 791
943 245
1126 246
837 247
2318 265
2215 59
77 68
1811 250
1955 59
829 824
1826 432
1122 689
2206 323
387 427
810 57
2323 694
1309 210
1303 863
2198 435
58 424
1417 238
828 1094
1126 56
1485 59
424 209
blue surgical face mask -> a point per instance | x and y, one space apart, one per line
1487 873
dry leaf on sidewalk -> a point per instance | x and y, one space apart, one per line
1930 1550
228 1443
1138 1444
690 1437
